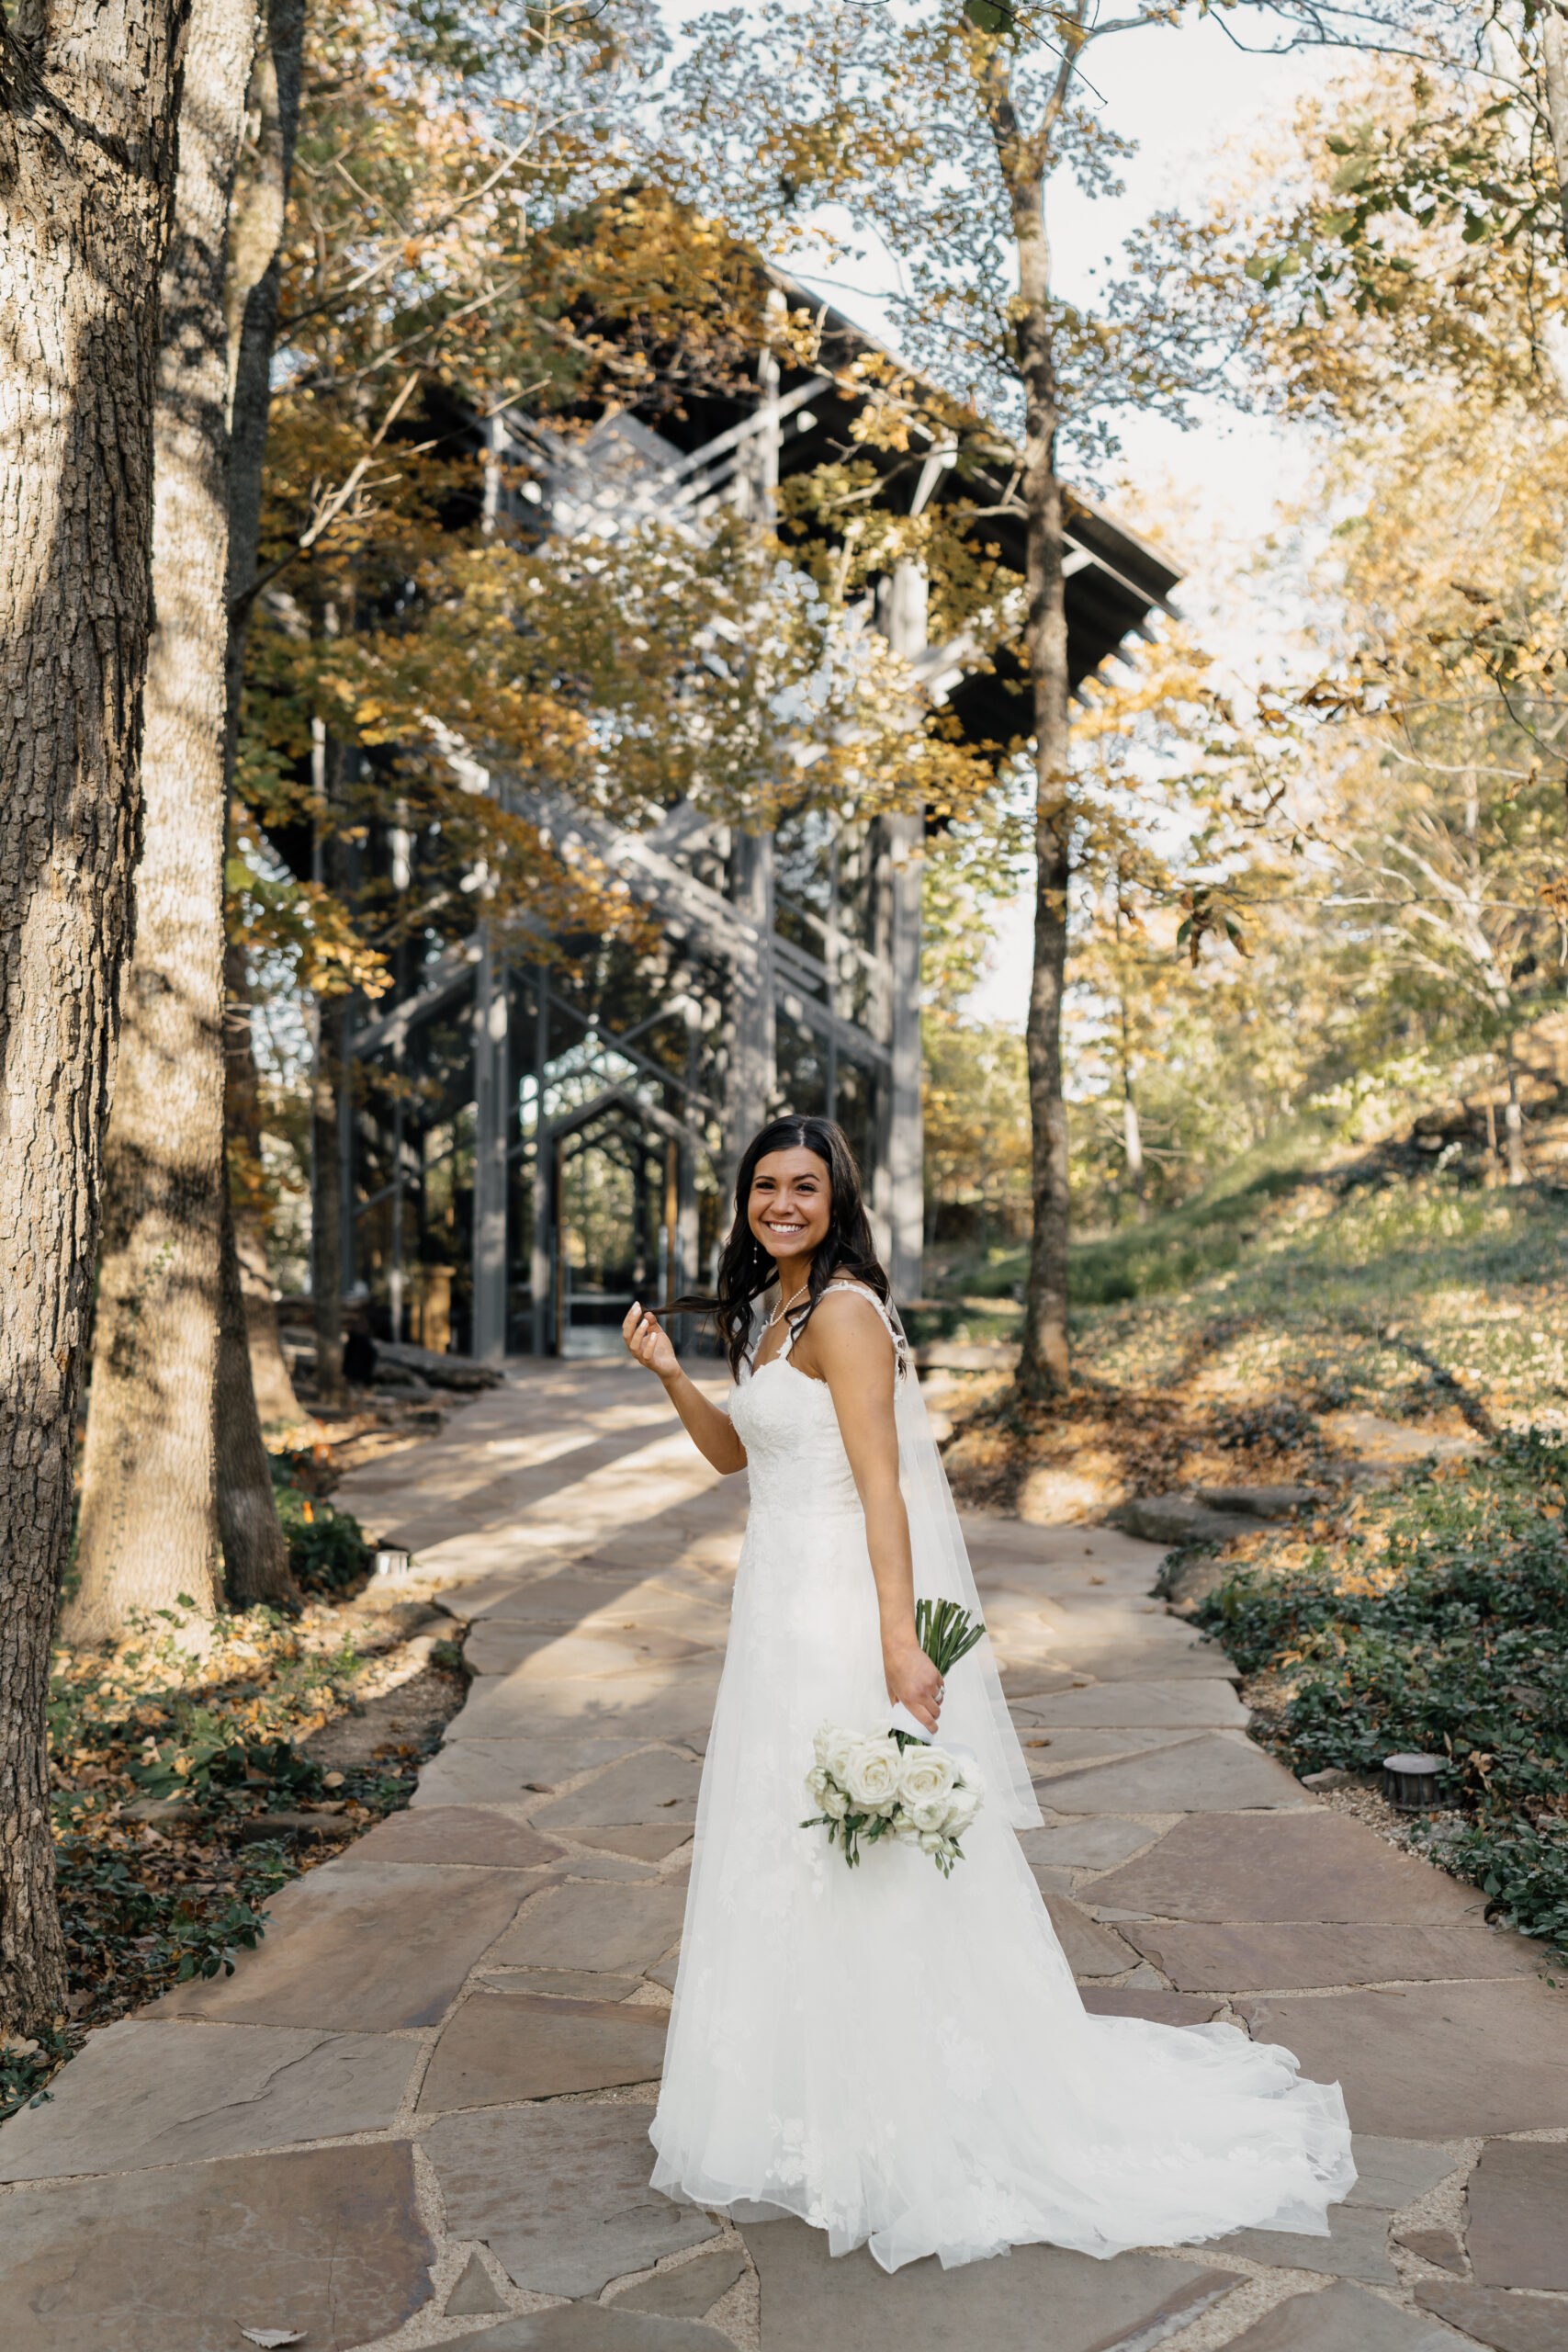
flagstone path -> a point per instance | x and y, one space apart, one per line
417 2114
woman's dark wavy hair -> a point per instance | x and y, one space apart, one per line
745 1269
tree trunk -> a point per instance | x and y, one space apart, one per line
274 1398
326 1183
1554 72
1133 1141
81 89
149 1530
254 279
254 289
1514 1126
255 1553
1044 1370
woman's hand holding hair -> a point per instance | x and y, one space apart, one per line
649 1344
711 1432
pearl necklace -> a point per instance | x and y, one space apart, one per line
784 1309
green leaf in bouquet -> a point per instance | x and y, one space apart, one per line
946 1632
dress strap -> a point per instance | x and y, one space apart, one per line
863 1290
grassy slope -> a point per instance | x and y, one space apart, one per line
1212 1342
1224 1341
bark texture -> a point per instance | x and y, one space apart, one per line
255 1552
261 196
326 1181
254 290
88 98
272 1386
1043 1367
1554 73
149 1526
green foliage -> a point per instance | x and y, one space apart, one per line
116 1922
25 2067
1438 1624
327 1550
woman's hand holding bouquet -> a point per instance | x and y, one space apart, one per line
896 1785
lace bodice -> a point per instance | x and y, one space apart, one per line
788 1425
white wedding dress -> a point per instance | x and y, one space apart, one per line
900 2059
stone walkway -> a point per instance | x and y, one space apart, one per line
418 2112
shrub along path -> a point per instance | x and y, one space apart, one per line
417 2112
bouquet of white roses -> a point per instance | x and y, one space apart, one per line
898 1784
872 1787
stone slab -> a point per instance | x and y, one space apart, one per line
647 1841
371 1946
560 1599
537 1654
1436 2061
1342 2319
650 1706
604 1925
1213 1773
1094 1842
328 2241
651 1787
469 1835
1441 2246
1356 2248
566 1983
1285 1959
589 2214
141 2094
597 2327
1148 2001
1510 2322
1517 2203
1164 1705
502 2047
1392 2174
689 2291
810 2302
474 2294
1311 1866
508 1771
1049 1753
1089 1948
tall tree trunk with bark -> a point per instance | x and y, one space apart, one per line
261 197
149 1527
1044 1367
255 1551
271 1384
88 102
326 1210
1554 73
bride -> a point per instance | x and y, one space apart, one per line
902 2059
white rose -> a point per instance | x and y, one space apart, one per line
816 1784
871 1774
834 1750
835 1804
932 1816
926 1776
907 1829
962 1807
932 1841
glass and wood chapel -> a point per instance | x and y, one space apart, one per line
528 1145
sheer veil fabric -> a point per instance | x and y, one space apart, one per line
903 2060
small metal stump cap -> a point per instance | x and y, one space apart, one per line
1412 1781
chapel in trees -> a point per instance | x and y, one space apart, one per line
528 1145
